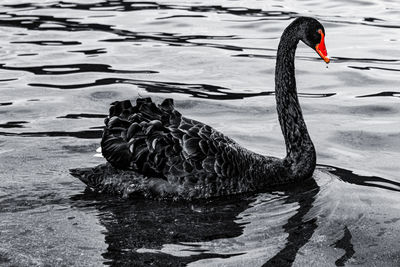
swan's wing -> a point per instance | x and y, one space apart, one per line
158 142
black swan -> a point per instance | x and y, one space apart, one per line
155 151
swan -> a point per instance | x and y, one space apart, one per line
152 150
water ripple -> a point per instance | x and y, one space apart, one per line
333 59
95 134
82 115
196 90
91 51
48 42
13 124
43 22
6 104
72 68
372 68
385 93
123 6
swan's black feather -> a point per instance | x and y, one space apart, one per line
157 141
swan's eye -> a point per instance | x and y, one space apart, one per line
320 33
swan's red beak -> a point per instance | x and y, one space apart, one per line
321 49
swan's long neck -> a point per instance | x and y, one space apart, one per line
299 147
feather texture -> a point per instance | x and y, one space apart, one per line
194 158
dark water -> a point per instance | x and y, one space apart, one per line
63 62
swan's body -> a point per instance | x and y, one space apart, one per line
180 157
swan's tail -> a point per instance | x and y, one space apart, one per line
81 174
106 179
92 177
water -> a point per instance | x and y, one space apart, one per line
62 63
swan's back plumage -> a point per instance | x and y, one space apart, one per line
197 160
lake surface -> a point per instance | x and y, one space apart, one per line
63 62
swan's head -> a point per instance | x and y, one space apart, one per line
312 33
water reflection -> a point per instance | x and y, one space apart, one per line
144 231
370 181
149 224
298 229
345 243
136 224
